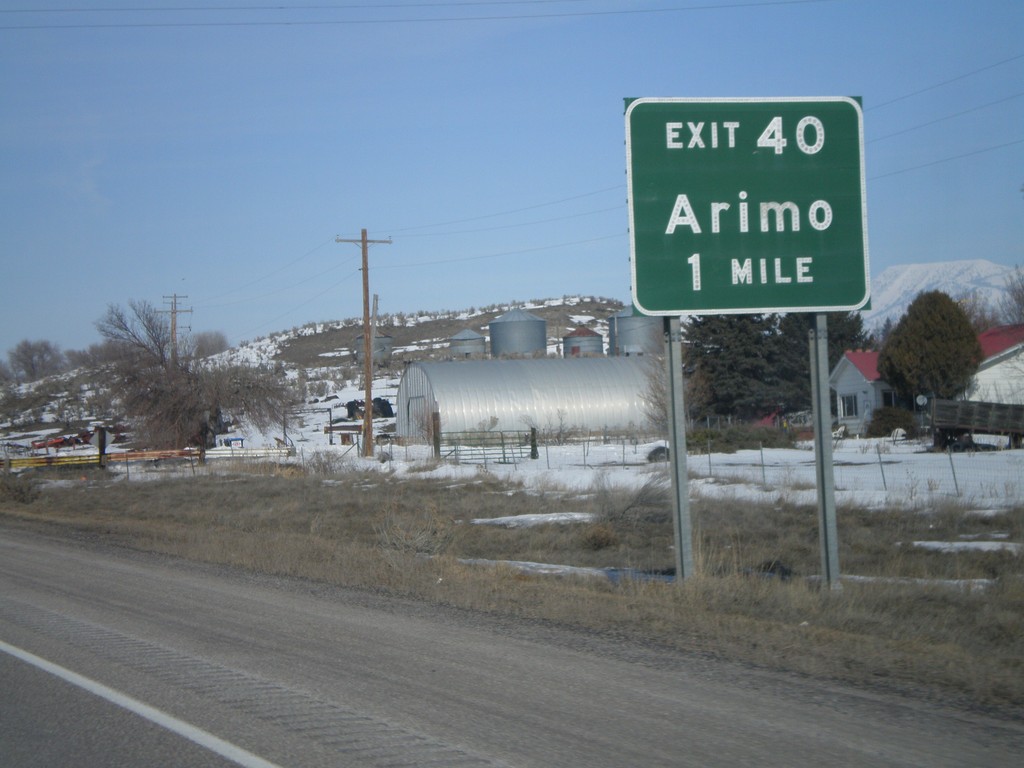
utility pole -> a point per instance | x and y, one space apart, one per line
173 311
367 342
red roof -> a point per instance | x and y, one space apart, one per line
998 339
865 361
582 331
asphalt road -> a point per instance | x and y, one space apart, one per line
251 670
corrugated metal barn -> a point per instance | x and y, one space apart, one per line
547 393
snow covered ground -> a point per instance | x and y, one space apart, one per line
874 473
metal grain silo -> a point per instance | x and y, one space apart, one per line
630 335
582 342
467 343
518 334
382 348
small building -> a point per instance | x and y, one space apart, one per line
467 343
1000 376
582 342
382 349
549 394
859 390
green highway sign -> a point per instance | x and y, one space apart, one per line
746 205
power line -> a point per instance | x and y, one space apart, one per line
282 268
412 265
319 7
276 291
505 213
946 82
522 223
519 252
412 20
947 159
947 117
308 301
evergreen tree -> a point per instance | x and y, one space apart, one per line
885 332
793 362
732 357
933 349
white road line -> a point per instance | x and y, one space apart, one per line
196 735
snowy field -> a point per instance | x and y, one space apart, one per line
873 473
876 474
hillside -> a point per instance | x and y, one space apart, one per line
423 336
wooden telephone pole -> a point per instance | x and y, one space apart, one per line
367 342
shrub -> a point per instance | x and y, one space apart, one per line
16 488
886 420
738 438
598 536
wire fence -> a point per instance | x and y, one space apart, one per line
872 472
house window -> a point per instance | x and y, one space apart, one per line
889 398
848 406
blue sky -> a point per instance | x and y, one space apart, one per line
215 153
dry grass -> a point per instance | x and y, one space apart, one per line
407 536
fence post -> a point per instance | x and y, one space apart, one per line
881 469
952 469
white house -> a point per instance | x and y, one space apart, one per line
1000 377
859 390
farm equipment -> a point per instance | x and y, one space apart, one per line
956 422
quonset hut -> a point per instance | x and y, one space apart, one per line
595 393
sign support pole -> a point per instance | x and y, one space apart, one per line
677 452
822 416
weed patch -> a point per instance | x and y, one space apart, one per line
754 598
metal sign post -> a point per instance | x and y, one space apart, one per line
822 417
677 454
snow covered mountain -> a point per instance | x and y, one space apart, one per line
895 288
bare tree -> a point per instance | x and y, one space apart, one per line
260 394
209 343
179 399
95 356
655 396
979 311
33 360
140 332
1011 308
